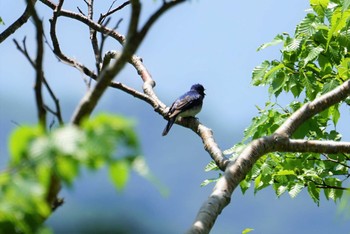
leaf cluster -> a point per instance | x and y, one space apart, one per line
37 156
313 62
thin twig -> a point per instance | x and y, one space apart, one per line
82 18
38 65
110 12
18 23
24 51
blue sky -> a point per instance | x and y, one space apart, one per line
208 42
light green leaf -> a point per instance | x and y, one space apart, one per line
329 86
244 185
278 39
281 189
307 26
211 166
258 183
313 54
119 173
334 110
208 181
292 44
20 140
67 169
338 22
285 172
344 69
247 230
68 140
319 6
295 190
346 4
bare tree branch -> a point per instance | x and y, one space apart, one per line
18 23
90 100
38 65
82 18
110 11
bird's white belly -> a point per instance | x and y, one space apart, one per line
191 113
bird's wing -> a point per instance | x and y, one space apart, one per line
183 103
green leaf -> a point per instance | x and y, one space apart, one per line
346 4
244 185
67 169
329 86
281 189
258 183
119 173
333 193
312 54
307 26
68 140
295 190
277 40
278 83
271 74
211 166
292 44
334 110
338 22
319 6
344 69
314 192
20 140
259 73
208 181
247 230
285 172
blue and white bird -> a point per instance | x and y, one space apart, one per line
188 105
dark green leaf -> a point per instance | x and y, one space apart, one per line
314 192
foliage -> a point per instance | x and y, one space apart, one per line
314 61
37 156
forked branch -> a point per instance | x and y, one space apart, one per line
236 171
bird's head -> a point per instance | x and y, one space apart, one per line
199 88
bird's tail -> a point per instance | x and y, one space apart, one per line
168 126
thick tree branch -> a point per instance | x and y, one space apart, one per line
236 171
18 23
326 147
312 108
92 97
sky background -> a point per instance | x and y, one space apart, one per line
209 42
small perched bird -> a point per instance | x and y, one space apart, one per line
188 105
